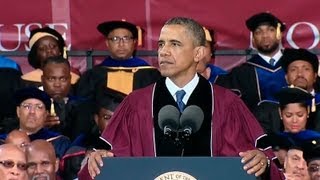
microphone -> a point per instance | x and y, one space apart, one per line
191 120
168 119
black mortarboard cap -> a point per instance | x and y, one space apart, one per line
311 150
109 99
106 27
264 18
288 95
290 55
34 93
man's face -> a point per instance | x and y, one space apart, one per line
295 165
300 73
56 80
120 43
13 164
102 118
32 114
177 54
314 169
265 39
294 117
47 47
41 165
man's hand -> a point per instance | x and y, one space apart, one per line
51 121
95 161
255 162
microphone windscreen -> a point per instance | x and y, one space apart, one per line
192 117
169 116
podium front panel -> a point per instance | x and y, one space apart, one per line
173 168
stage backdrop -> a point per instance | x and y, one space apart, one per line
77 21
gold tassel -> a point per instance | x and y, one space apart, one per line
139 36
207 33
52 111
278 32
313 105
65 52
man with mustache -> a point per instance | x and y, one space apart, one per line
42 161
261 76
301 68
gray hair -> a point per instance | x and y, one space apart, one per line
194 29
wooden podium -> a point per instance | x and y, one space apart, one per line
173 168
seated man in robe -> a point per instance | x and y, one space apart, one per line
69 115
32 106
301 70
122 70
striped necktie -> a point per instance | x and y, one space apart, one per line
180 94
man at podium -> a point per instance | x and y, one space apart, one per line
139 126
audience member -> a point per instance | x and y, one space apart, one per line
295 166
42 161
12 163
69 115
122 70
294 106
10 78
205 66
311 153
32 109
108 100
131 133
261 76
301 67
43 43
18 138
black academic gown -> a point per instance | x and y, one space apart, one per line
255 81
267 113
76 117
96 78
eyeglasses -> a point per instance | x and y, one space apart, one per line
314 168
117 39
28 106
10 164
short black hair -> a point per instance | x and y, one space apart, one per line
55 60
193 27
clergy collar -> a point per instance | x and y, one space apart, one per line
276 57
188 88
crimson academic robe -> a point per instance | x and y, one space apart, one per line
233 128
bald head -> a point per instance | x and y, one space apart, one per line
5 148
42 160
13 162
42 146
18 138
